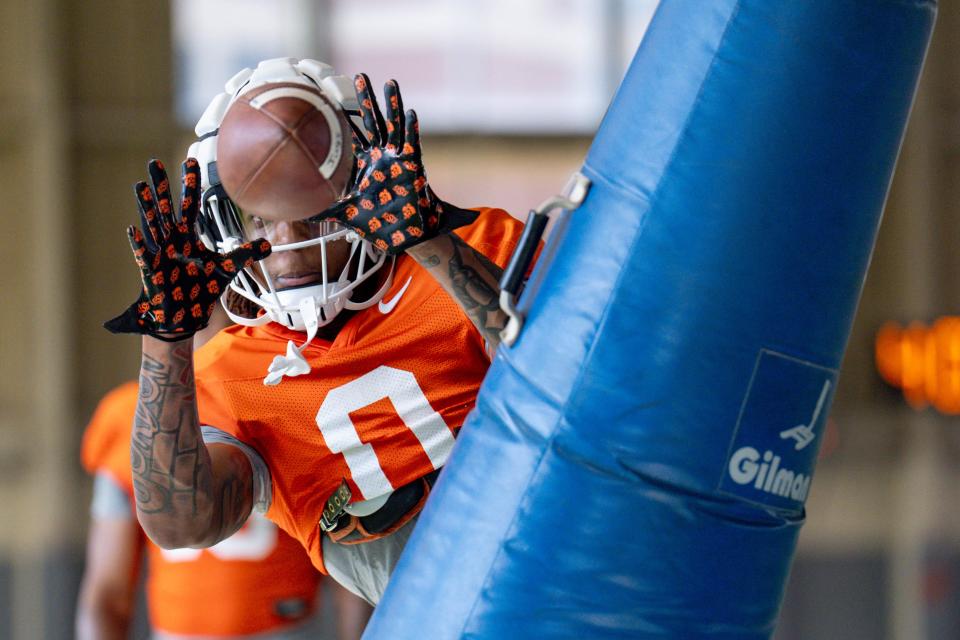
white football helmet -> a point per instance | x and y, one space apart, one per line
223 226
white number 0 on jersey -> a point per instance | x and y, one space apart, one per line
258 537
402 389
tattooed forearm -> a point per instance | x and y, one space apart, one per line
167 456
478 296
470 278
183 497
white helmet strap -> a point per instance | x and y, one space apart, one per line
293 363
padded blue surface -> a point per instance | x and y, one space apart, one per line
638 462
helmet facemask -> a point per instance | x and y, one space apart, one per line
312 274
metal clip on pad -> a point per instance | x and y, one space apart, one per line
512 279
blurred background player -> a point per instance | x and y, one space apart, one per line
258 582
341 441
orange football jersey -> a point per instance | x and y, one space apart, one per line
381 403
257 580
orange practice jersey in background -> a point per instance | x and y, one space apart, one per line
257 580
381 403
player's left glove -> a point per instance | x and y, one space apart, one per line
391 204
182 279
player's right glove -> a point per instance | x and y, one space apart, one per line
391 204
182 279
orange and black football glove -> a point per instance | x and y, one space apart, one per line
182 279
391 204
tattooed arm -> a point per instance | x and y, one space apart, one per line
188 494
470 278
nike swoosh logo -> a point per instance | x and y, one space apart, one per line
387 307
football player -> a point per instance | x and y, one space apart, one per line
257 582
376 321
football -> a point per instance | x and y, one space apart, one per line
283 151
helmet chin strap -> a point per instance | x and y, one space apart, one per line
328 299
293 363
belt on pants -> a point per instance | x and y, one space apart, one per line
400 507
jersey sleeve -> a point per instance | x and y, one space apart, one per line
105 449
495 234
